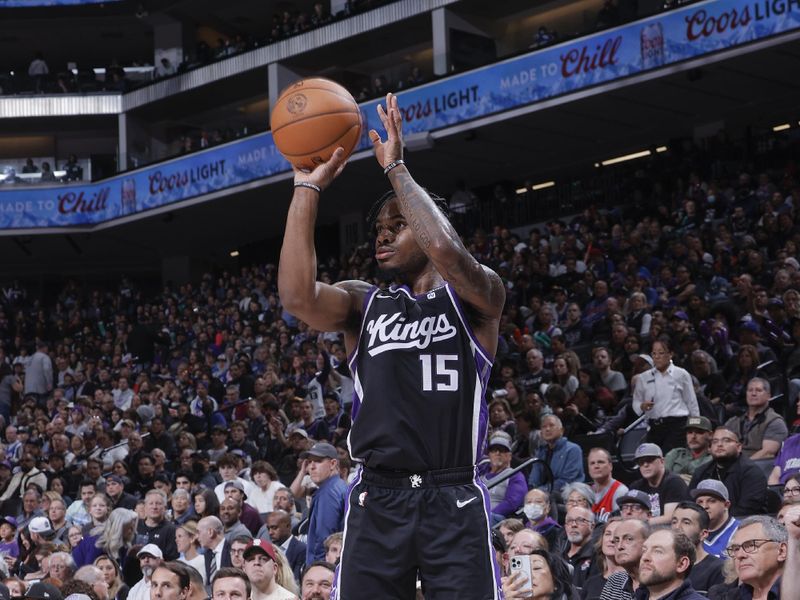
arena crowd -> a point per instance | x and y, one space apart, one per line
198 435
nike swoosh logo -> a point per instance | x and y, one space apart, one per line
463 503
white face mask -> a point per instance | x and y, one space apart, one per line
533 511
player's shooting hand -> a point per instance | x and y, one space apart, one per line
324 173
392 149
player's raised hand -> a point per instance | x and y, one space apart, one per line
324 173
392 149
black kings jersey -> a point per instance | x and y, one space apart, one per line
420 379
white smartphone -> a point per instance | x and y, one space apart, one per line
522 564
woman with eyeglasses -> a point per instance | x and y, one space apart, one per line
791 489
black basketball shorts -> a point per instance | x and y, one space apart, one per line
434 525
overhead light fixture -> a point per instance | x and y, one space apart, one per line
782 127
521 190
234 253
631 156
625 158
542 186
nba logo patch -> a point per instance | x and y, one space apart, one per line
362 498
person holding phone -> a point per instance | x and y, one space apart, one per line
538 575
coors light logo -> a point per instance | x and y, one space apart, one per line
391 332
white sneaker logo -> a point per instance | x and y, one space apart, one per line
463 503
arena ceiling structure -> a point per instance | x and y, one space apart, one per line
750 89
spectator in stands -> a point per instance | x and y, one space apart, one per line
537 511
549 578
30 167
249 515
38 72
605 564
279 530
613 380
155 528
666 394
607 490
665 489
165 68
744 480
580 553
536 374
47 173
685 461
261 565
72 170
631 535
506 497
321 463
230 511
761 429
758 549
713 496
564 458
692 520
787 463
667 559
150 558
230 583
317 581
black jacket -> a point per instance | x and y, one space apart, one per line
746 483
685 592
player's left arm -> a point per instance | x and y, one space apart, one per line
477 285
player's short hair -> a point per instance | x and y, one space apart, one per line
372 216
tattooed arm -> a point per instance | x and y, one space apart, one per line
478 286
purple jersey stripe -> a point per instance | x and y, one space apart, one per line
487 510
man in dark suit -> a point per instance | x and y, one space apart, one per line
279 528
210 532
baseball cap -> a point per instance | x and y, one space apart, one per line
751 326
258 545
10 520
645 450
40 525
680 315
711 487
299 431
201 454
152 550
321 450
500 440
116 479
43 591
238 485
699 423
637 496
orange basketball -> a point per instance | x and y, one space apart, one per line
312 118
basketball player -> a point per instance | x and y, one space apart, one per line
421 354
